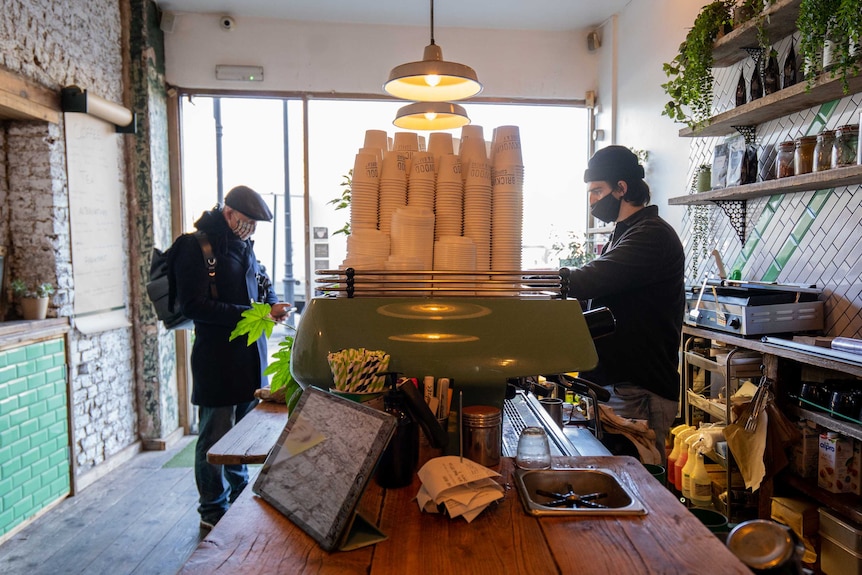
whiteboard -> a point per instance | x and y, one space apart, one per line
95 191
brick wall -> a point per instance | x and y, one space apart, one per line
34 455
59 43
810 237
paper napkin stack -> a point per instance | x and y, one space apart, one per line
462 486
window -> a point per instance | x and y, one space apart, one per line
254 135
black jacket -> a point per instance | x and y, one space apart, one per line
223 372
640 278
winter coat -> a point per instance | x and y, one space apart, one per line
223 372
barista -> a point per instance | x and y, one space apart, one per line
639 277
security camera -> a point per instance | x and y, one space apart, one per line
227 23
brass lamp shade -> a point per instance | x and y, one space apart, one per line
431 116
433 79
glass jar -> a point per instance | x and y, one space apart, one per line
803 160
845 145
823 150
784 162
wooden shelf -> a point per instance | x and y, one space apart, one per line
778 351
795 98
846 504
781 22
836 178
823 419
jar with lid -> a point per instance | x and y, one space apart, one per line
844 148
803 160
823 150
784 161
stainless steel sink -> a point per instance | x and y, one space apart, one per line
582 492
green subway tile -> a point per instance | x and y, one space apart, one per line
785 253
24 506
35 350
37 410
771 274
5 486
802 226
54 346
26 368
818 200
29 427
39 468
18 416
11 465
774 202
39 437
10 404
28 398
7 374
57 373
59 457
9 435
31 487
43 363
30 457
16 356
58 429
55 402
22 476
17 386
20 447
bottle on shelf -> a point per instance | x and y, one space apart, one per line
688 468
674 452
682 459
701 484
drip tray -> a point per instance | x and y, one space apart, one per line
575 492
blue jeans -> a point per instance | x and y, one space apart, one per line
633 402
218 485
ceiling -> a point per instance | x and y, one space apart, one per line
551 15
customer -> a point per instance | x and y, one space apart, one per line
639 277
225 374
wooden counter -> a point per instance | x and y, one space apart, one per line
253 537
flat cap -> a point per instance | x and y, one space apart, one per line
612 164
249 203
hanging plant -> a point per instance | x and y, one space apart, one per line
847 33
818 21
690 72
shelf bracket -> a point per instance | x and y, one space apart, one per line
749 133
735 211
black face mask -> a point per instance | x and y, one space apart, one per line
606 209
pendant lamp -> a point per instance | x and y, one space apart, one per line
431 116
433 79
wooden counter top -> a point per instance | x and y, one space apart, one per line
253 537
14 333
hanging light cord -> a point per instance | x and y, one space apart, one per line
432 22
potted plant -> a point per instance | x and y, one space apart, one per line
702 179
343 201
256 322
33 300
837 22
690 72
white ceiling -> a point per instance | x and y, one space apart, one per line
490 14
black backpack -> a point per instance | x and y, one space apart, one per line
158 286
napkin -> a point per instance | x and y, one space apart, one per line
462 486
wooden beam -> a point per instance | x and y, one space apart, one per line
23 99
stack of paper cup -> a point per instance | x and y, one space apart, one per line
364 284
364 192
408 144
421 181
377 139
449 199
393 188
413 234
508 210
472 148
372 243
455 253
440 144
477 212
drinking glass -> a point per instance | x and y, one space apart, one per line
534 451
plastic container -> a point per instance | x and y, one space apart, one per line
701 483
784 162
681 459
803 159
688 468
823 150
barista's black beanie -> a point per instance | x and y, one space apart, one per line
612 164
249 203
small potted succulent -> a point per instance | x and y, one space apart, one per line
33 299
